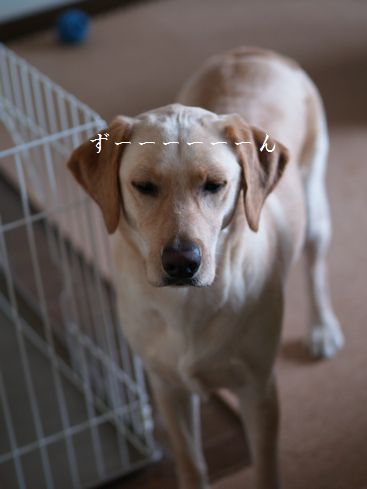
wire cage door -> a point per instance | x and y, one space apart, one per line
74 409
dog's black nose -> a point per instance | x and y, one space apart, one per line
181 260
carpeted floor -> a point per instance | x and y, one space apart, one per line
137 58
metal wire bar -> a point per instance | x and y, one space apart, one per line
80 335
87 387
46 321
69 374
47 139
110 347
106 325
13 442
74 430
26 365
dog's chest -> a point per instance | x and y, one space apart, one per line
189 338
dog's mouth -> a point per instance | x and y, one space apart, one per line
180 282
174 282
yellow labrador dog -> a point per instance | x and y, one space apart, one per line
210 200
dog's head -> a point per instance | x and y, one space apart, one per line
174 182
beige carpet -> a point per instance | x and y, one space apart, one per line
137 58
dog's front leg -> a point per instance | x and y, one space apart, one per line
260 412
181 413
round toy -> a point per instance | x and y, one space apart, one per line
72 26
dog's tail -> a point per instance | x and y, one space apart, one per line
313 164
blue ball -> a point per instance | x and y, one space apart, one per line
72 26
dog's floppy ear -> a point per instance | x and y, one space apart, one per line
98 173
261 168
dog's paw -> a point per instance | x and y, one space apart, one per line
325 340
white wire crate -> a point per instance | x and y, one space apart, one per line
74 409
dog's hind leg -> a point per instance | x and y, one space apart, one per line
180 411
324 335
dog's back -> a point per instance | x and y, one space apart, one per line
273 92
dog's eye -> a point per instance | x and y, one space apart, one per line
213 187
146 188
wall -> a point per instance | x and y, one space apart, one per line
11 9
